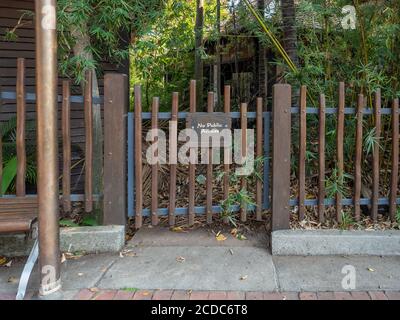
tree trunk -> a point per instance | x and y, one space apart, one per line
289 29
199 47
82 41
261 61
218 56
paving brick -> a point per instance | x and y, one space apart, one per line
235 295
84 294
377 295
290 296
325 296
105 295
162 295
180 295
342 295
217 295
124 295
360 295
308 296
254 295
393 295
199 295
273 296
143 295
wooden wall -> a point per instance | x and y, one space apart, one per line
24 47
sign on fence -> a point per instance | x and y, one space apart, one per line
208 124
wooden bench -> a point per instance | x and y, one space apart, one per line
18 214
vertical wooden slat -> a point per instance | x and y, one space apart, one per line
21 153
302 151
339 148
116 105
1 147
259 153
66 134
138 158
227 151
130 136
209 185
88 142
281 122
227 109
266 175
192 166
321 152
173 149
358 157
243 127
395 159
154 167
375 169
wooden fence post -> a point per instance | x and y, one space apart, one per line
115 117
281 126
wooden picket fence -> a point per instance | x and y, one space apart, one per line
277 195
282 199
123 152
115 104
135 163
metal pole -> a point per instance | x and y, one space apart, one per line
46 90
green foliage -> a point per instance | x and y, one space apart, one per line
9 174
68 223
8 133
104 22
242 197
398 215
370 141
329 53
336 184
347 221
162 58
89 221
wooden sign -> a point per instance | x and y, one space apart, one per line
208 124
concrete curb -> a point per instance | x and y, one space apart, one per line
93 239
335 242
100 239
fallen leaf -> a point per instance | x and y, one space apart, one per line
73 255
220 237
146 293
243 277
127 253
94 289
178 229
180 259
12 280
240 237
63 258
370 269
3 261
234 232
